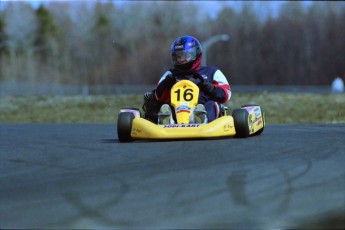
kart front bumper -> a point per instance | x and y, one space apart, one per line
144 129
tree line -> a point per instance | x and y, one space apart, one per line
104 43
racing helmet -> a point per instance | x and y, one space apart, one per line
186 53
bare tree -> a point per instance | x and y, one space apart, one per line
104 43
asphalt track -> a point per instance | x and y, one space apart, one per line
77 176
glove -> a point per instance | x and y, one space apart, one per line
195 81
206 87
149 96
169 80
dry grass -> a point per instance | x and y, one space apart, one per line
297 108
279 108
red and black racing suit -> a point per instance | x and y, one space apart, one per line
219 95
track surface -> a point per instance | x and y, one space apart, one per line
80 176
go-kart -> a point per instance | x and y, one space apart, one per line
245 121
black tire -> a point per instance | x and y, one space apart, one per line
133 108
241 122
124 126
247 105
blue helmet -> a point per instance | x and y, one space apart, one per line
186 53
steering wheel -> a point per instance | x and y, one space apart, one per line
195 75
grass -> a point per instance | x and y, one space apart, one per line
279 108
297 108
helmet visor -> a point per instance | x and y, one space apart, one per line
180 57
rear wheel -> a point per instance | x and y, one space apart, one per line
241 122
124 126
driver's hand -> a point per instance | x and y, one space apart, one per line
169 80
206 87
149 96
194 80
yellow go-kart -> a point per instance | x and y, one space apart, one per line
246 121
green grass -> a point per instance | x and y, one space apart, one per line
279 108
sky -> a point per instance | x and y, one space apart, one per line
211 7
208 7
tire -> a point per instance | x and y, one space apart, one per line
124 126
241 122
246 105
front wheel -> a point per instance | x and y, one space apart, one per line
241 122
124 126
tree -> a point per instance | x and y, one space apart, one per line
223 54
269 63
47 33
247 44
71 42
291 43
100 44
332 45
21 33
3 36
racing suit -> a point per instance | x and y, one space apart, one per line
215 91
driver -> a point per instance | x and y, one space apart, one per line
186 55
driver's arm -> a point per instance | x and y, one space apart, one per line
163 87
222 91
219 90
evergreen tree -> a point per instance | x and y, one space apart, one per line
101 43
47 33
3 37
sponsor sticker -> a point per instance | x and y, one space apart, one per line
227 127
257 112
259 121
183 108
181 126
136 130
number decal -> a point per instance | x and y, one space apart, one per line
178 94
187 94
